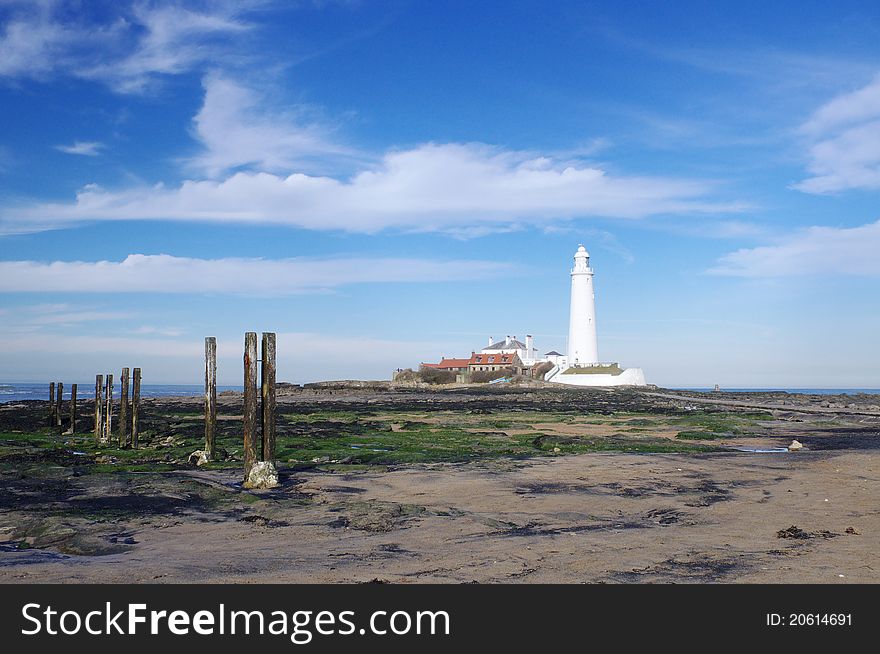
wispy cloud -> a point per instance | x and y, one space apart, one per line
813 251
236 131
782 70
172 40
159 331
85 148
33 43
37 316
135 43
139 273
844 136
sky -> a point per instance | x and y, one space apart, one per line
386 183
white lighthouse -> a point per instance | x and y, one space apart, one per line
583 346
582 366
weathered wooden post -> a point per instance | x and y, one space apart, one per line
58 407
135 405
72 429
123 409
267 374
99 405
51 404
210 396
108 411
250 401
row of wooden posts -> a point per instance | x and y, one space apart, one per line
258 445
127 432
55 408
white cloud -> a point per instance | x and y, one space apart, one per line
86 148
857 106
235 132
128 49
139 273
432 187
845 143
813 251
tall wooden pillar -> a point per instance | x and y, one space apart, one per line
135 406
72 429
210 396
51 404
99 406
108 411
267 375
58 407
123 409
250 401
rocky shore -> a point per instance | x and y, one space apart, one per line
487 484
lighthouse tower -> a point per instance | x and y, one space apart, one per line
583 347
582 367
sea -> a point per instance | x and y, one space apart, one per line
17 391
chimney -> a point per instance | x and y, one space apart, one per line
507 341
528 345
490 340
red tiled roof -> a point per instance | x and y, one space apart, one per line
494 359
453 363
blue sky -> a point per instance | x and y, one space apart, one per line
388 183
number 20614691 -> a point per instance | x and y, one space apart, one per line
809 620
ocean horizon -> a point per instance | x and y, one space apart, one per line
18 391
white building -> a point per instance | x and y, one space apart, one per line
527 351
582 367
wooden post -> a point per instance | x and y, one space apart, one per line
99 405
123 409
250 401
58 407
210 396
135 405
51 404
268 392
72 429
108 411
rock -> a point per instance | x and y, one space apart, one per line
198 458
853 531
795 446
794 532
105 459
262 475
556 450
